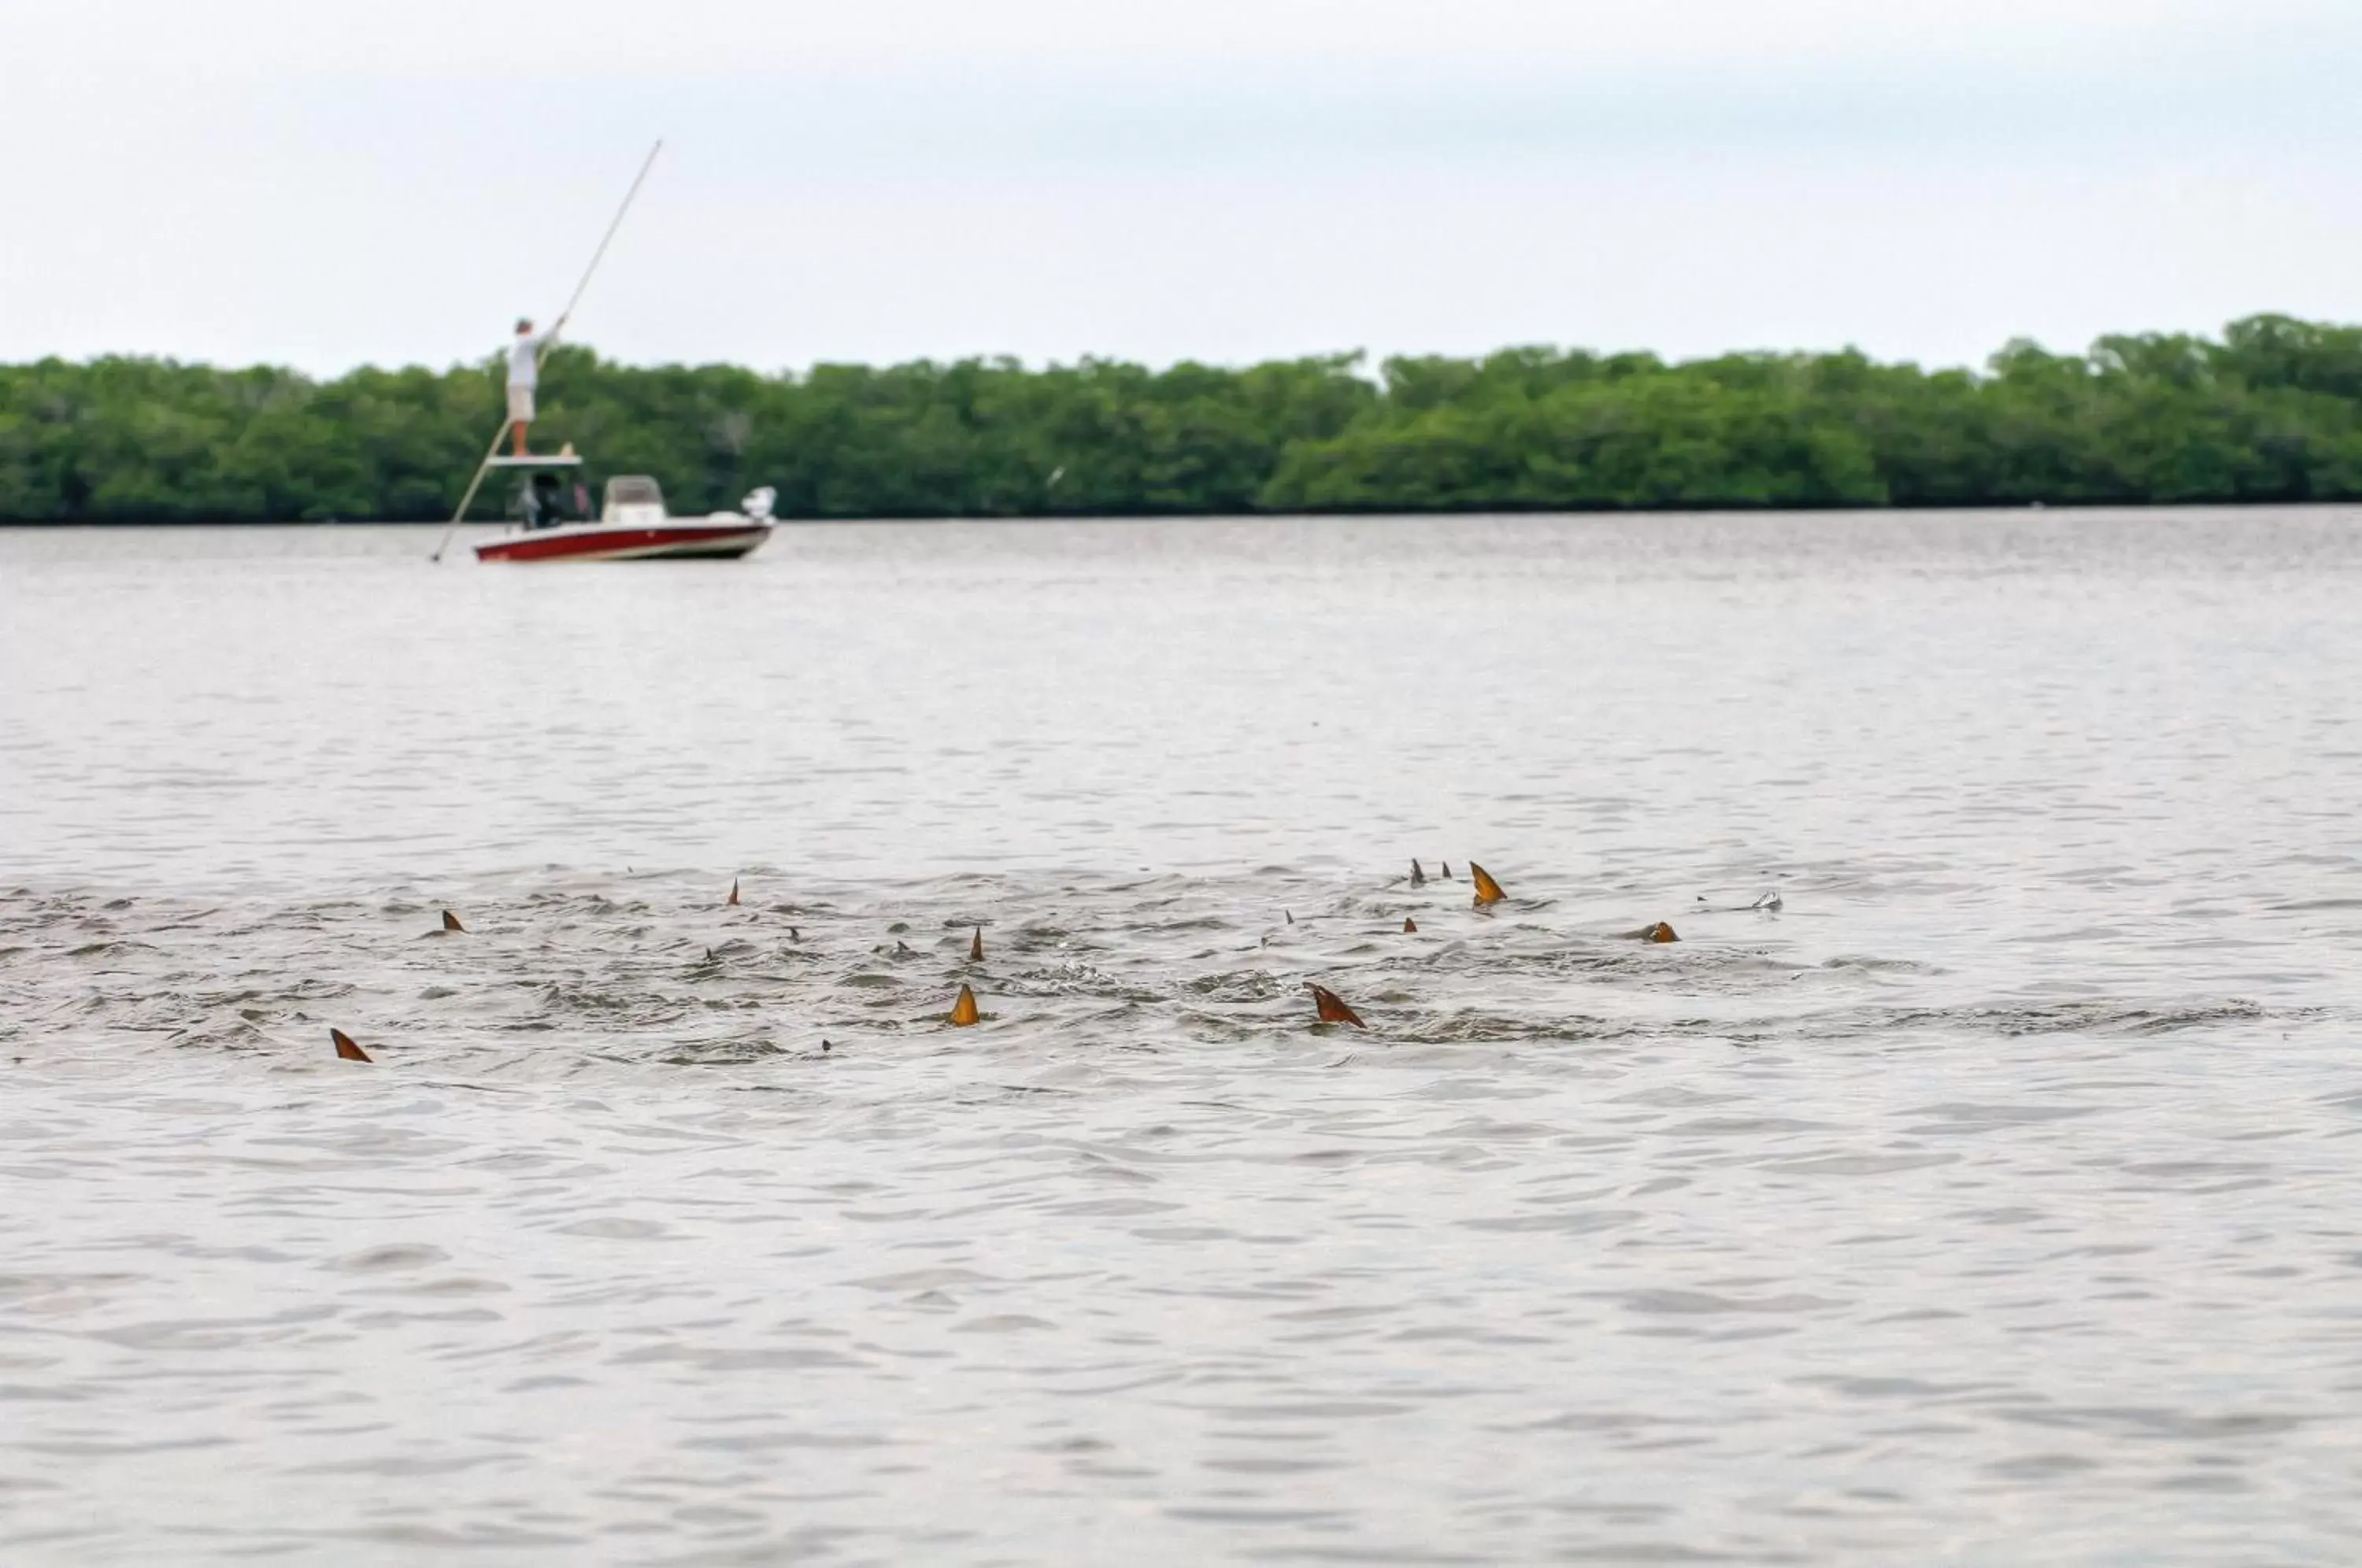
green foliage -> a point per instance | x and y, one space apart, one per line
2272 412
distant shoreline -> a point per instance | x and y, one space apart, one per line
2015 509
2270 413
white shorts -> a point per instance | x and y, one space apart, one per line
520 404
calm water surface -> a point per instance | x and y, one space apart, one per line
1997 1200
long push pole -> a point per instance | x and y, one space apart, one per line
548 339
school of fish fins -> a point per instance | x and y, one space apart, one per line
1328 1006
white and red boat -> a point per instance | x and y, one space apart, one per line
633 525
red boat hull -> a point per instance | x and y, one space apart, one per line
675 541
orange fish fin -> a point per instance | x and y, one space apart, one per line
451 922
346 1049
1488 891
1332 1009
1409 925
976 948
964 1011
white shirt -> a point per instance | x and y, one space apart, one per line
524 362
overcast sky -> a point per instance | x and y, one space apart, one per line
332 182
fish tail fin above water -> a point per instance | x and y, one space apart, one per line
732 901
964 1012
1488 891
1418 876
1332 1007
976 948
346 1049
451 922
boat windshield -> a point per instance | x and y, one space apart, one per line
632 491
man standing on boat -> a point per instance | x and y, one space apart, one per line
524 375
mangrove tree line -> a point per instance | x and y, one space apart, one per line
2272 411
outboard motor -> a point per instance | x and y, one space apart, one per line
758 504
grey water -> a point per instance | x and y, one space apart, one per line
1995 1199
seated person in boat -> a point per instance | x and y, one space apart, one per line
544 503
